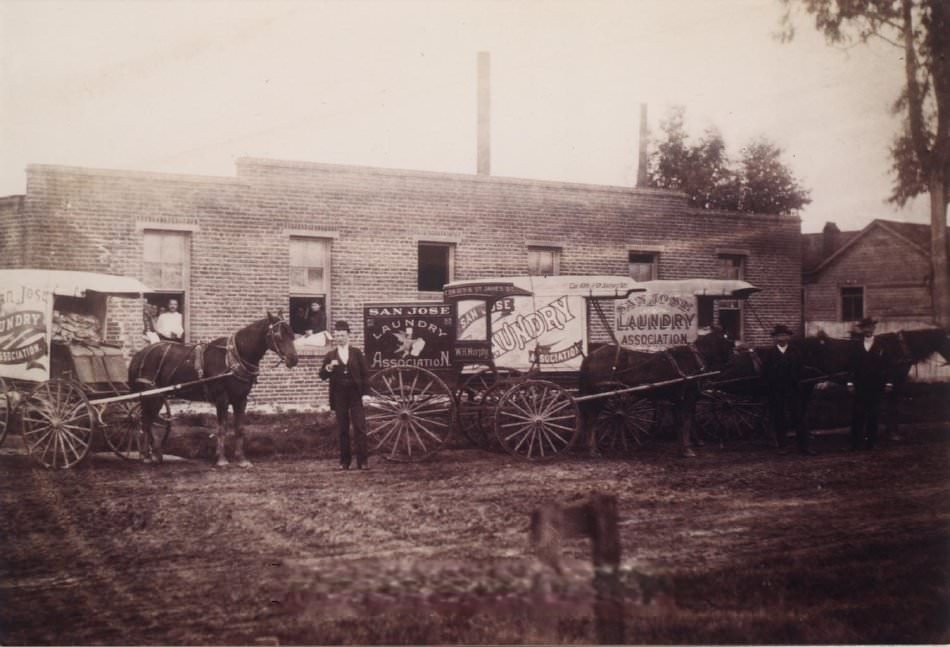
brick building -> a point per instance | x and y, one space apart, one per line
280 235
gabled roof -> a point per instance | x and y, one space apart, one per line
815 257
813 247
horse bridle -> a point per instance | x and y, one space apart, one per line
271 337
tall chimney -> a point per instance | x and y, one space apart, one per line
484 114
644 141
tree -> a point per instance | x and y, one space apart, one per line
767 185
920 154
760 182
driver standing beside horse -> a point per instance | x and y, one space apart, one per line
870 380
782 370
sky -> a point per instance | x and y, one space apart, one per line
191 86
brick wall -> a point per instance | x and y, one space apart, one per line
12 244
93 220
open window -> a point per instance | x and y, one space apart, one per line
166 268
309 284
436 266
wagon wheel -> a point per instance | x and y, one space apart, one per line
536 419
411 413
57 424
123 426
624 423
477 396
730 418
486 416
5 407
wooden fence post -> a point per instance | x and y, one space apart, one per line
595 518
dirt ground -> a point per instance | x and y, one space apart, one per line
734 546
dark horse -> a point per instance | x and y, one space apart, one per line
613 367
902 350
236 356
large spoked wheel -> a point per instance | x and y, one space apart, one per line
476 398
410 414
123 428
5 409
57 424
536 420
731 418
624 423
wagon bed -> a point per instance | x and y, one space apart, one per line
494 359
60 380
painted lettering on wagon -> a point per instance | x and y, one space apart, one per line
519 334
501 307
23 338
419 335
656 320
437 310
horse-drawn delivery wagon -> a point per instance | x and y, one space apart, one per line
504 358
61 378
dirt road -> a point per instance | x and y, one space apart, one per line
732 546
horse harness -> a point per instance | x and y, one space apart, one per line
665 354
237 366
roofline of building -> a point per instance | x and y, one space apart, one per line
742 214
142 175
877 222
8 199
345 169
886 225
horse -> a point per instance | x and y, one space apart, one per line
235 358
902 350
613 367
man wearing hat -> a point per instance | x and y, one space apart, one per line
345 367
870 379
782 370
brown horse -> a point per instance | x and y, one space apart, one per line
902 350
613 367
830 358
235 357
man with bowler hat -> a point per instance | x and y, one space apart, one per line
870 379
782 370
346 368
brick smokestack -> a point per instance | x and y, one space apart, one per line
484 113
644 141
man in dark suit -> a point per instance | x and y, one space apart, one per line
870 379
782 370
346 368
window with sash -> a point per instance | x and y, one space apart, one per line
309 284
642 266
852 304
544 261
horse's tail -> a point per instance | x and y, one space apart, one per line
135 369
583 377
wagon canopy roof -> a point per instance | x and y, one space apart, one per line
74 284
727 288
562 285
